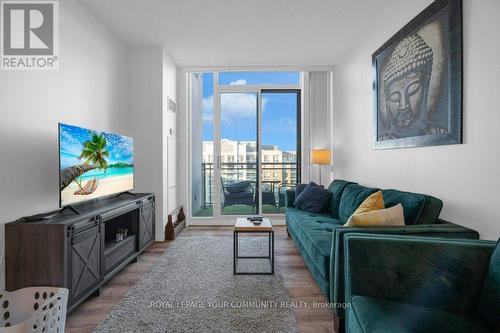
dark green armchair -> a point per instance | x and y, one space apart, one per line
441 229
421 284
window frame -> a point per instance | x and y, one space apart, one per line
302 91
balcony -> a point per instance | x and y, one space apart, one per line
239 188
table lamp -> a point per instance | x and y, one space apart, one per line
321 157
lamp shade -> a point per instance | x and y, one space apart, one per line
321 156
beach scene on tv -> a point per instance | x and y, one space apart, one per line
93 164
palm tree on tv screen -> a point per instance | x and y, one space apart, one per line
94 151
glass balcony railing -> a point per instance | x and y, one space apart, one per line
239 188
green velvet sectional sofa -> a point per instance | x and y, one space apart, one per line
421 284
319 237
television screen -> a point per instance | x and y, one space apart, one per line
93 164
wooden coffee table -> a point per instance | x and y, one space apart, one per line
245 226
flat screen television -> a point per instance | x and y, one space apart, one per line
93 164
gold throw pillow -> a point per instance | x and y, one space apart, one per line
392 216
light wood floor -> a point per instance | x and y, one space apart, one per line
289 264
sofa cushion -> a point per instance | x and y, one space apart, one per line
431 210
313 198
352 196
413 203
337 188
368 314
302 214
489 302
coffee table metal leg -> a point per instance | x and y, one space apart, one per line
236 255
269 246
272 252
234 251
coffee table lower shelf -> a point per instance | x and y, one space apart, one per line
270 255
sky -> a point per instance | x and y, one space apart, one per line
238 110
71 142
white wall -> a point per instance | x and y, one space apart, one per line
152 80
169 78
146 118
169 71
183 141
464 176
88 90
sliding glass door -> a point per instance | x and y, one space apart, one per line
238 153
245 142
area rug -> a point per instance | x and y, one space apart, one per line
192 289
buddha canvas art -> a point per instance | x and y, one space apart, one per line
418 81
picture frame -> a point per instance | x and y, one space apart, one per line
418 81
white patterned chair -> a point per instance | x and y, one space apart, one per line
34 309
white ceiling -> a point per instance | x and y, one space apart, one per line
241 32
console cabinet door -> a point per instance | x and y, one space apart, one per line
146 224
84 255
